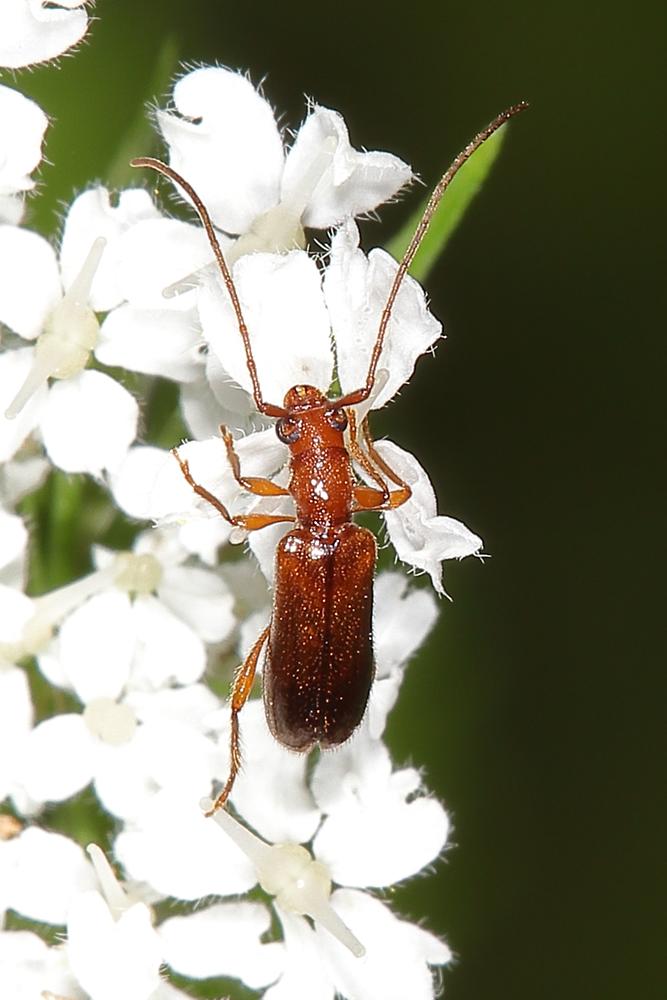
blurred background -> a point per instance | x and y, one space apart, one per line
534 708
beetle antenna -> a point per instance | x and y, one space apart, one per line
149 161
421 229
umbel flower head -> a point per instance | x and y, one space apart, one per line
109 683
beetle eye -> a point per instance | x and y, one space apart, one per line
337 419
288 430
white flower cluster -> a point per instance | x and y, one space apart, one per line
127 650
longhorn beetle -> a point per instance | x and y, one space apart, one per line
319 664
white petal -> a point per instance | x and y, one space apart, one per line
11 209
46 871
250 629
235 405
113 958
356 289
383 697
22 127
372 836
353 183
192 944
50 664
403 618
153 851
97 642
261 454
398 953
201 599
202 411
27 964
205 538
14 366
284 310
271 792
153 341
89 423
249 586
59 758
16 716
156 253
92 215
225 142
190 706
420 537
13 541
123 782
16 610
306 976
32 31
163 754
161 543
149 484
15 709
29 280
21 477
168 651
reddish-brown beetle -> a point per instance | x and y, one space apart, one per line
319 665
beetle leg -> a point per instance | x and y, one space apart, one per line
399 496
366 497
253 522
241 687
250 522
364 461
253 484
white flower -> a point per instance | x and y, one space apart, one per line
256 189
402 619
87 420
113 955
41 874
33 31
111 257
29 967
145 252
149 485
420 536
150 847
395 965
13 543
129 752
356 287
399 954
112 949
21 477
194 945
196 596
120 656
16 720
224 139
358 948
22 127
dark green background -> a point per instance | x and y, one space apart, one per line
535 706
